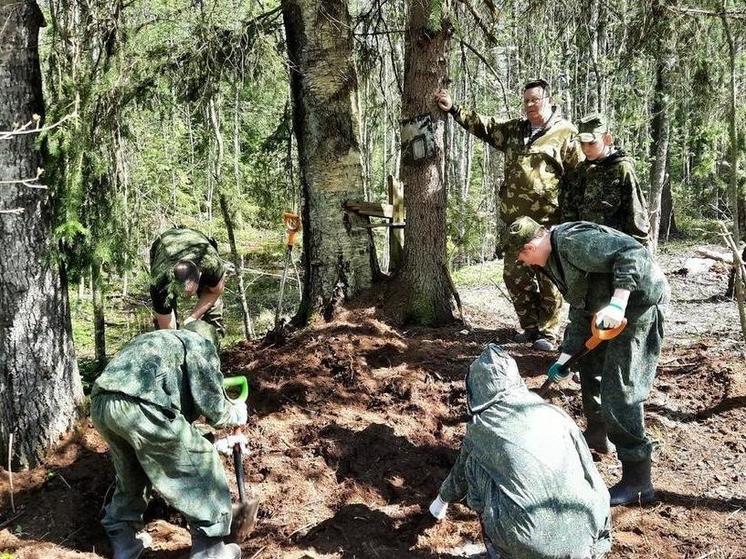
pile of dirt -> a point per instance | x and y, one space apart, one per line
354 424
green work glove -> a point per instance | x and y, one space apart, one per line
556 373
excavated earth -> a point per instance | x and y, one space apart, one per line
355 423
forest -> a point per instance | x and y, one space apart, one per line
364 232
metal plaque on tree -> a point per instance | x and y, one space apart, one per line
417 139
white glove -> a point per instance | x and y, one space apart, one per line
612 314
438 508
225 445
239 414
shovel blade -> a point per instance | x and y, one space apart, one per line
244 520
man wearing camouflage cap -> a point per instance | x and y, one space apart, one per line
143 405
606 276
539 151
604 188
183 262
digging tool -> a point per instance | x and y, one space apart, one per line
244 512
292 227
598 335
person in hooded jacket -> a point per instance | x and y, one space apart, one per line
525 469
604 188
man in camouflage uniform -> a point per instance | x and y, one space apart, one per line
525 469
604 188
183 262
539 152
607 276
143 405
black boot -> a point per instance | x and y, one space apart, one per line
635 486
596 438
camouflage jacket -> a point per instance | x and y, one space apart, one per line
589 261
526 470
176 370
534 166
181 244
607 192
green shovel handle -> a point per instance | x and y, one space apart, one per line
242 381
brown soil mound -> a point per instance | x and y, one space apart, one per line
355 424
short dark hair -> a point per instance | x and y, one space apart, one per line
544 84
186 270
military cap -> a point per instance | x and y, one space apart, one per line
204 329
592 127
521 231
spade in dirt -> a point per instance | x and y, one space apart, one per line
244 512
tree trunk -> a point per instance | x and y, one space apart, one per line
336 245
425 283
248 329
99 320
660 133
40 388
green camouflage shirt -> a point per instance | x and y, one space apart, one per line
589 261
534 165
607 192
173 369
181 244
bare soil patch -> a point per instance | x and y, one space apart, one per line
355 423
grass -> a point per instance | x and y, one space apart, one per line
479 275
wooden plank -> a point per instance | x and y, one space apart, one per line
396 234
372 209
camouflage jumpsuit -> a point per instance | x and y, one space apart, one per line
607 192
177 244
534 167
588 262
143 405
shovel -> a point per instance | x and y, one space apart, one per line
292 227
598 335
244 512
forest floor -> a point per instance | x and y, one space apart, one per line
355 424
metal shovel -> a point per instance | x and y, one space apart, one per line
244 512
598 335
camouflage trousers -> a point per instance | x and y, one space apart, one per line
616 377
214 316
536 300
157 448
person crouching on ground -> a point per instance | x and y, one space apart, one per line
143 405
604 273
526 470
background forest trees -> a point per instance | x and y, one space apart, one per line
171 107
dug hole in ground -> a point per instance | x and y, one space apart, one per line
355 424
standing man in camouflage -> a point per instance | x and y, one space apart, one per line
539 151
143 404
183 262
604 188
607 276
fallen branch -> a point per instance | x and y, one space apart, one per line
14 211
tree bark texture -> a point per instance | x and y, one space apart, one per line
337 251
661 123
424 281
40 388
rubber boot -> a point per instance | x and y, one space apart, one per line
595 436
125 542
635 486
205 547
